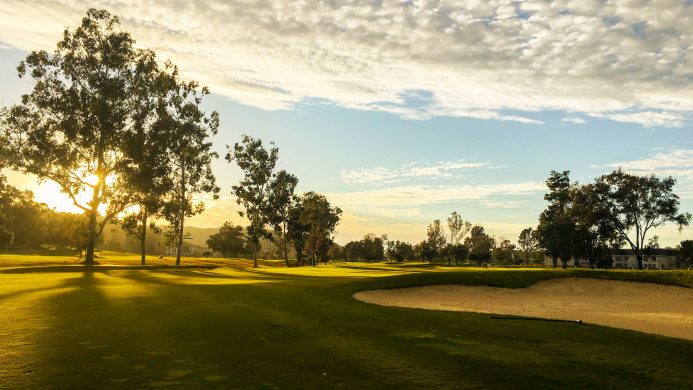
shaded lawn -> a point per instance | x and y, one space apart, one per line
300 328
38 258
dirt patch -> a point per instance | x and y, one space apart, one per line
645 307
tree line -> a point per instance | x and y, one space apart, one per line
581 222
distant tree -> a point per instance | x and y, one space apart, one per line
337 252
425 251
480 245
281 192
458 229
135 225
298 228
370 248
528 242
458 252
435 236
635 204
321 218
503 251
400 251
686 251
8 194
229 240
556 225
72 126
253 191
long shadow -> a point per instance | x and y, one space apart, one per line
135 329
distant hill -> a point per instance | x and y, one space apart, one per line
114 238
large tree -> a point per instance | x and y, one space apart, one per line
556 226
636 204
187 132
253 191
281 194
593 233
72 126
148 177
320 219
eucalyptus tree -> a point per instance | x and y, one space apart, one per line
480 244
72 126
281 192
321 219
187 130
253 191
528 241
298 228
633 205
458 229
435 237
593 231
148 176
556 226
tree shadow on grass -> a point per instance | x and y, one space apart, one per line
136 328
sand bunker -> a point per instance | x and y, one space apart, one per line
646 307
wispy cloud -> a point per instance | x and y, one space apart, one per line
675 162
441 169
626 61
508 204
574 119
423 195
647 118
672 162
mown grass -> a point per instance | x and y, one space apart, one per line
274 327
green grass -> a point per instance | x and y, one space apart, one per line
300 328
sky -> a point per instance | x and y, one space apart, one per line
401 112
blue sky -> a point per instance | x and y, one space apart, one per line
412 131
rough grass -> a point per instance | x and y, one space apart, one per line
274 327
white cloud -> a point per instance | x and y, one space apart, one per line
574 119
441 169
673 162
647 118
508 204
627 61
423 195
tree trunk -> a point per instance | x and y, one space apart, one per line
299 255
143 237
639 256
179 244
254 255
182 216
91 238
285 244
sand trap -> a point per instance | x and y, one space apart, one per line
646 307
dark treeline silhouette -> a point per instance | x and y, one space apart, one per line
274 211
589 221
